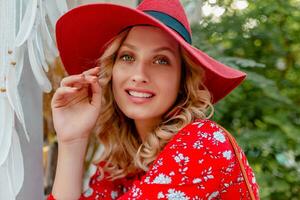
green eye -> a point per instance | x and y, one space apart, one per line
161 61
127 58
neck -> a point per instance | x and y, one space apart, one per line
145 127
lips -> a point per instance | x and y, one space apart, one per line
140 93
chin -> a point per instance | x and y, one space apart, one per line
134 116
141 115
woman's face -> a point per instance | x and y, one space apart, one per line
146 74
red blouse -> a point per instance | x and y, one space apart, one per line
198 163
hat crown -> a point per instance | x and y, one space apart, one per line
172 8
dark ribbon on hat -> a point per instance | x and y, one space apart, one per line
172 23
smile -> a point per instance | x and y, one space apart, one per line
139 94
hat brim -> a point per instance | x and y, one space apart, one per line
82 33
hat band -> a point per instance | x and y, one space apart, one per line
171 23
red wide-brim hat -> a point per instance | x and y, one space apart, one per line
83 32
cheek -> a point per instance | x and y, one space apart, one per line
171 83
116 81
117 76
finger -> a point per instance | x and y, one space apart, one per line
83 81
69 98
61 94
95 89
93 71
69 81
96 93
90 78
79 78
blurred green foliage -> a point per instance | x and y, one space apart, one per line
264 112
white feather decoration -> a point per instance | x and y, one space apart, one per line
14 98
19 58
27 23
24 31
12 171
37 39
15 164
6 112
6 124
62 6
6 190
40 50
52 11
37 70
19 52
44 30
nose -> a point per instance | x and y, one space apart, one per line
140 74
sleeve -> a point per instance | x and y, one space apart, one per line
198 163
99 188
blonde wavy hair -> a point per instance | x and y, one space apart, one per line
124 152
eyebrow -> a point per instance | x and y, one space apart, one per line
163 48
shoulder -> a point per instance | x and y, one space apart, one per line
198 152
200 134
200 142
202 146
201 125
201 155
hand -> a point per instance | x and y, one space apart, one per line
76 106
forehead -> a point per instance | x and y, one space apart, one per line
150 36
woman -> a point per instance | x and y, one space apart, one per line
149 97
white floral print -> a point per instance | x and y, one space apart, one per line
227 154
160 195
218 135
162 179
114 194
207 174
197 180
198 145
199 124
136 192
180 158
213 195
176 195
88 192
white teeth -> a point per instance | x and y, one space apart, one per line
139 94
